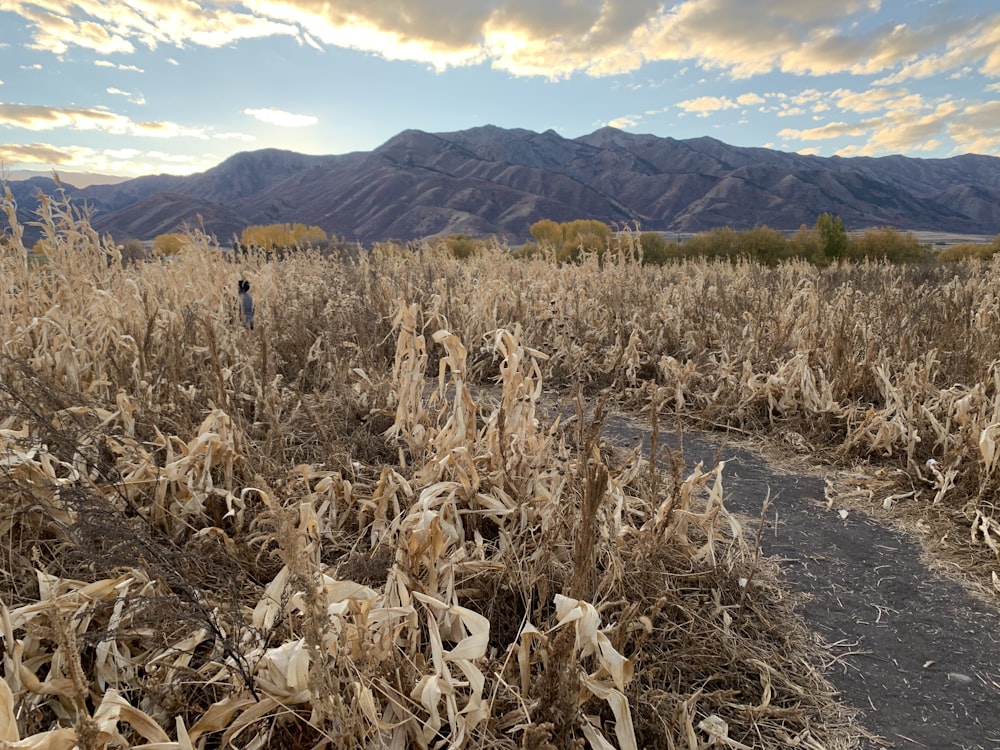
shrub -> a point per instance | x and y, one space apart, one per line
656 249
133 251
165 245
968 251
886 243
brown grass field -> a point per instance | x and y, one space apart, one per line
361 525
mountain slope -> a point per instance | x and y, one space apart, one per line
490 180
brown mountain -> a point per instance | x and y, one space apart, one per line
493 181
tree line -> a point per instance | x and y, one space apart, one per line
824 243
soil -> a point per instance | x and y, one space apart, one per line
915 652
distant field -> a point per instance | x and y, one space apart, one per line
944 239
938 239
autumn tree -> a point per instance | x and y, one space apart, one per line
887 243
547 231
461 246
271 236
807 244
165 245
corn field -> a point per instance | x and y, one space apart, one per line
385 517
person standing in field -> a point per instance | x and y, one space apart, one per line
245 304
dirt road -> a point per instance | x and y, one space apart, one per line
914 651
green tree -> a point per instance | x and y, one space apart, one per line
833 236
656 250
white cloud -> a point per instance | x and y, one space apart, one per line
975 127
117 66
551 39
964 48
824 132
725 39
281 118
134 98
37 117
127 162
871 100
909 124
749 99
244 137
625 121
705 105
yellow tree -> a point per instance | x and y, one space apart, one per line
548 232
165 245
282 235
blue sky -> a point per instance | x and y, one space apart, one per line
145 87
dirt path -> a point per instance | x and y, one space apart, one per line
911 649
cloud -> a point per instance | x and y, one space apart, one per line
117 66
870 100
907 123
902 129
37 117
552 39
134 98
705 105
117 27
625 121
964 47
33 153
128 162
280 118
824 132
975 128
244 137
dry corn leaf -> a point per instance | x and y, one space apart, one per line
624 729
8 722
115 708
718 730
56 739
219 715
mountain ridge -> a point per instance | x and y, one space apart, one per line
489 180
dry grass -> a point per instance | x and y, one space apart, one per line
325 530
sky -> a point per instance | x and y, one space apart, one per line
144 87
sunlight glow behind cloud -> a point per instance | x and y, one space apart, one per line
281 119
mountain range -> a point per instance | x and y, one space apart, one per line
494 181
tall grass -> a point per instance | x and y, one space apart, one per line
369 521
